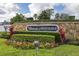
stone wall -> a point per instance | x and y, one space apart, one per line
19 27
71 28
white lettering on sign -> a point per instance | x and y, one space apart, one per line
42 27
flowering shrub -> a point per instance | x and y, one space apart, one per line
47 45
23 45
28 45
42 45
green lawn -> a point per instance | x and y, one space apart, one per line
62 50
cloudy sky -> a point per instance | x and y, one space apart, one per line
9 10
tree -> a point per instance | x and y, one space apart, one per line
64 16
50 12
71 17
45 14
35 16
18 18
29 19
57 16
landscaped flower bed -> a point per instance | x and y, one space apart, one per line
25 41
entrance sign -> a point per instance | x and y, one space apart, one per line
52 27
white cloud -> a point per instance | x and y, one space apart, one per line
38 7
27 15
7 11
69 8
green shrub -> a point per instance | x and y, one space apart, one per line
73 42
57 36
4 35
31 38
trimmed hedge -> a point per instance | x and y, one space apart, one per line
4 35
57 36
35 32
30 37
48 20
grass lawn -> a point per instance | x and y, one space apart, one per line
62 50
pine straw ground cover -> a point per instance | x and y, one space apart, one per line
62 50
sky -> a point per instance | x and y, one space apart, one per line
9 10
